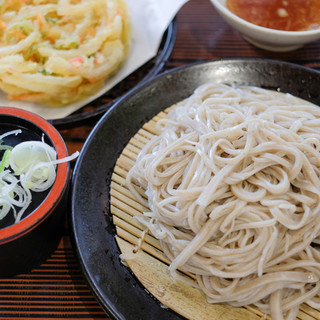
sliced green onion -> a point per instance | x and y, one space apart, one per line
5 160
30 165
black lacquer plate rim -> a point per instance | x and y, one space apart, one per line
118 291
154 66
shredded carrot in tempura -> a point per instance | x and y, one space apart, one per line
40 20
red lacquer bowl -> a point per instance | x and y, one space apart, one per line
24 245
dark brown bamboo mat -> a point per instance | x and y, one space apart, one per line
54 290
57 289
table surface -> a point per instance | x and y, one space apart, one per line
57 288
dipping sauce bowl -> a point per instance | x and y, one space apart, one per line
27 243
266 38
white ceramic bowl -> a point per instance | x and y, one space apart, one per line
265 38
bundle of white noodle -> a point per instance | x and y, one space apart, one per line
233 187
29 166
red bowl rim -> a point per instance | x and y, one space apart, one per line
27 224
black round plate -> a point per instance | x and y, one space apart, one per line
93 110
115 287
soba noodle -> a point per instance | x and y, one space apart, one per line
233 187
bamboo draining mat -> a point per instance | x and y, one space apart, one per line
149 264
